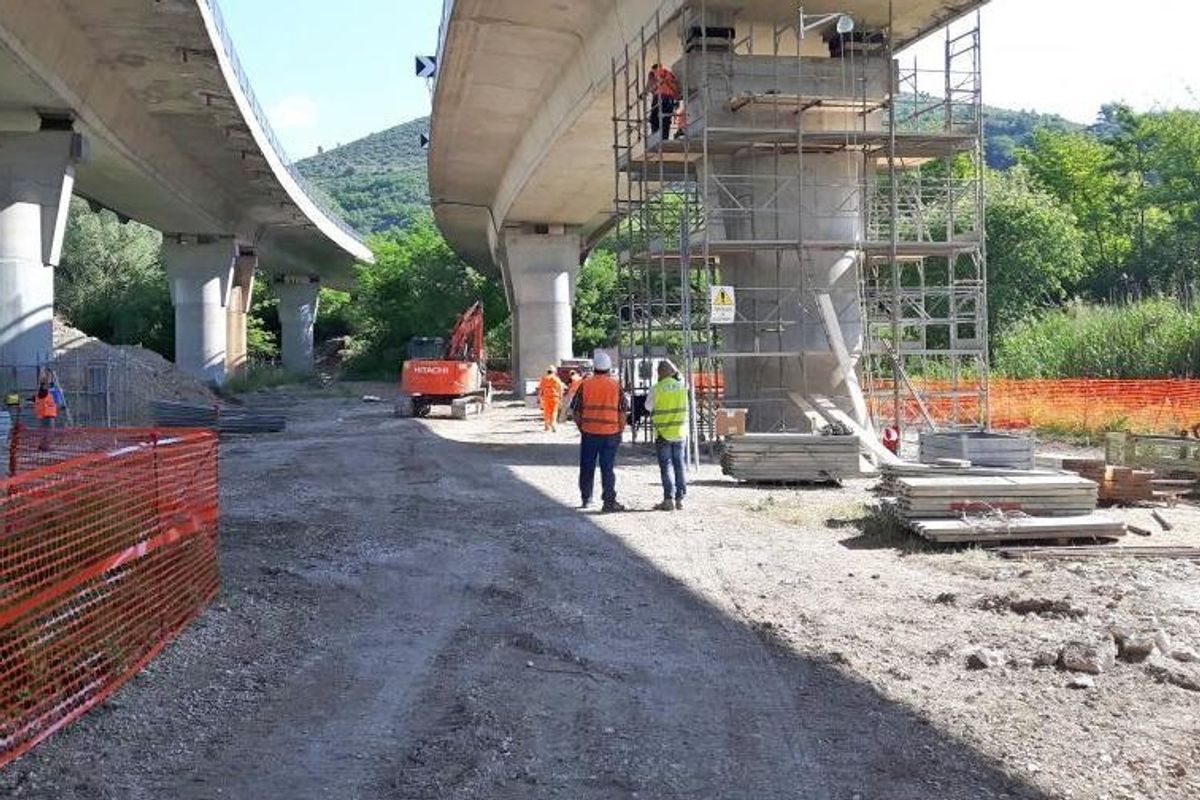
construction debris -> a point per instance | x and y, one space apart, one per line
790 457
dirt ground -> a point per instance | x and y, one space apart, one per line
415 609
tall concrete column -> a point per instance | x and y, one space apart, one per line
298 300
241 295
201 274
832 207
37 172
541 263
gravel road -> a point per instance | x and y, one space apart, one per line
414 609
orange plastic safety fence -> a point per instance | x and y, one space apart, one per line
1083 405
108 550
1089 404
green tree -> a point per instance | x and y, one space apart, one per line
110 282
1085 174
596 300
1035 250
416 287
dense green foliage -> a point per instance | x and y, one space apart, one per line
379 182
416 287
596 302
110 282
1147 339
1035 250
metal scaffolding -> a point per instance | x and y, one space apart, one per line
840 195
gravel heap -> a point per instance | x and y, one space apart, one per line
146 374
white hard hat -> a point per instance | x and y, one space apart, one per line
602 362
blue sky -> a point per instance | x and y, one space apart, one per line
329 72
332 71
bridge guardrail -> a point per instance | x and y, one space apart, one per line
314 192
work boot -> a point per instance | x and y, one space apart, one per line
679 504
611 508
665 505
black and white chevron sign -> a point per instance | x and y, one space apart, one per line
426 66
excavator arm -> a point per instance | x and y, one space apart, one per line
466 340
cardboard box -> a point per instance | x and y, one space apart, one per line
730 421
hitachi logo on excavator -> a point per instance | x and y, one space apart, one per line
431 370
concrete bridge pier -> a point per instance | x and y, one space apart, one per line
299 296
241 295
201 272
37 172
541 263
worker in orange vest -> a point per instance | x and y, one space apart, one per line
663 88
550 392
46 411
599 409
572 388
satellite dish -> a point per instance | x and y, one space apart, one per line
845 23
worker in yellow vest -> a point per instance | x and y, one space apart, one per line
599 409
550 393
667 405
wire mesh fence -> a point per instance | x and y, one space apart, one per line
109 550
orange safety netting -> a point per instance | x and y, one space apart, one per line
1093 404
1067 405
109 549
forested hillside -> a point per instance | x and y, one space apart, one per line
379 181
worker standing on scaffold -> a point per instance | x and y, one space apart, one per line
663 88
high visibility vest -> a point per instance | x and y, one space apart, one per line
664 83
599 399
44 407
550 388
670 412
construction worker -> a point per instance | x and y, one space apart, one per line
46 411
663 88
550 393
667 405
60 399
599 409
572 387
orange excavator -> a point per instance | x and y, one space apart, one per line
452 374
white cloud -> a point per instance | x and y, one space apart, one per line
296 112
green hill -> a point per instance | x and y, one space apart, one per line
379 180
1004 130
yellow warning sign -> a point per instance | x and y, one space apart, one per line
722 305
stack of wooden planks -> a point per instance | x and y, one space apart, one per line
790 457
890 473
1008 527
1124 485
982 449
1035 495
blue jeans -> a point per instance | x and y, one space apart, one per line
595 447
670 459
